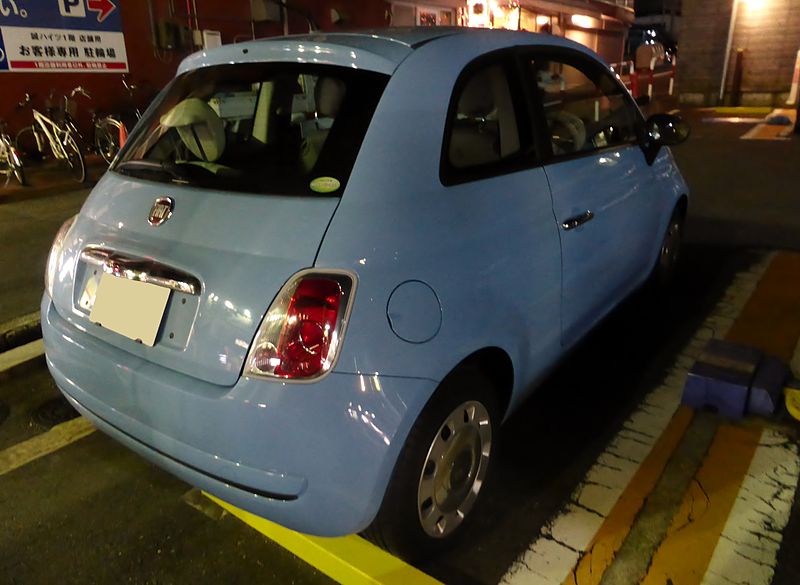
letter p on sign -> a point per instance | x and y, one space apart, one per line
72 8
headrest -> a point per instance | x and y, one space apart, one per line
199 126
476 98
329 93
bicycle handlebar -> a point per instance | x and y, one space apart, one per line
80 91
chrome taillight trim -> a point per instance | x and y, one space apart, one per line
141 269
291 283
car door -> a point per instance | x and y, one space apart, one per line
500 201
600 183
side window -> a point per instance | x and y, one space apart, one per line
482 131
585 109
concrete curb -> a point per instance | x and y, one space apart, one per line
20 331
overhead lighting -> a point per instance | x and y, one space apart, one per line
542 20
583 21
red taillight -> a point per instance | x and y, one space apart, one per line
310 323
301 331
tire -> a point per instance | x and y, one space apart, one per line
106 139
442 469
669 253
26 144
75 161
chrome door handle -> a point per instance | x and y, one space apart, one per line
574 222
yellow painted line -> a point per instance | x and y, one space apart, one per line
685 553
349 560
40 445
20 355
615 528
770 320
740 110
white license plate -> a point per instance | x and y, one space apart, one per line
129 307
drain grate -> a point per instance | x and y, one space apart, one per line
54 412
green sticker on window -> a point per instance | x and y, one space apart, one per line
325 185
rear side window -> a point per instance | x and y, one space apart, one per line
285 129
483 136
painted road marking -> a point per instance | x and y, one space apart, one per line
767 132
684 554
770 321
22 322
59 436
555 554
349 560
747 550
609 538
20 355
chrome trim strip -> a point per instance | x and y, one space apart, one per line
142 270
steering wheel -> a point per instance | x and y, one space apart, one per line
567 130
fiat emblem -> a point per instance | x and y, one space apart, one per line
161 210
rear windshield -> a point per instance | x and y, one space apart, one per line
285 129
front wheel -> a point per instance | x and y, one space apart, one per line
441 470
77 165
669 253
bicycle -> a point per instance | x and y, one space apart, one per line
60 136
107 139
10 159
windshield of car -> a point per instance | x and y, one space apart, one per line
285 129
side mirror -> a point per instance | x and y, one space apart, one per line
667 130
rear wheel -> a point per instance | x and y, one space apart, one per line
77 165
441 470
106 139
27 145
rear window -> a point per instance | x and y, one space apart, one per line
284 129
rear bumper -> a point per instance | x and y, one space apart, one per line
313 457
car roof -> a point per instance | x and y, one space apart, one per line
380 50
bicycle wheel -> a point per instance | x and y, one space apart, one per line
75 160
106 138
15 162
27 145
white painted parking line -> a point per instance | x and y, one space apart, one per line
553 556
22 322
747 550
40 445
20 355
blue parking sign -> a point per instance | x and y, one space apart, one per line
62 35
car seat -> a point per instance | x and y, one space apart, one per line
328 94
201 130
484 130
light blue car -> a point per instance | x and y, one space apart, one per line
325 268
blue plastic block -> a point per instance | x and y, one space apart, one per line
766 390
720 379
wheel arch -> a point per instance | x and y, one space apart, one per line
495 364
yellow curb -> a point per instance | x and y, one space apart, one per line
349 560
